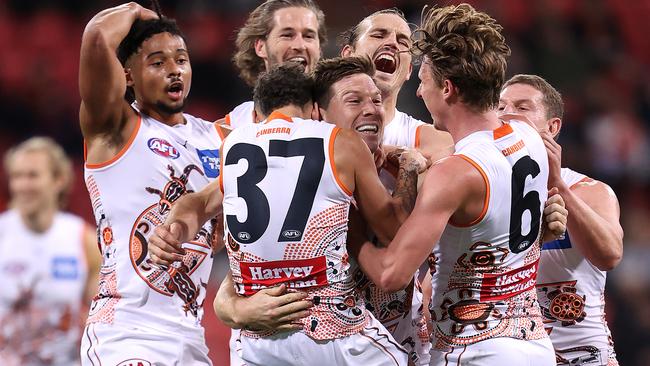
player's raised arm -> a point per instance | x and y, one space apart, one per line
102 81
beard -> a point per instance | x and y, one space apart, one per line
167 109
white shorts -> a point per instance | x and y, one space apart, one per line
235 348
372 346
498 351
112 345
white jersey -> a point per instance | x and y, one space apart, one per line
243 114
403 130
484 277
571 293
44 278
132 194
286 220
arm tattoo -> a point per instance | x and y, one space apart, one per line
407 186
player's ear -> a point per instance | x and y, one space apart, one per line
346 51
449 90
408 74
128 76
315 113
260 48
554 126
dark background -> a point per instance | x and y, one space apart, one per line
595 52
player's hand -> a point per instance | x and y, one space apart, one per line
380 157
142 12
554 151
411 159
555 216
274 309
165 246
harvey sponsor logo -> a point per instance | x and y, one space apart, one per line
163 148
505 285
300 273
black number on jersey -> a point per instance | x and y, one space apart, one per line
521 203
258 205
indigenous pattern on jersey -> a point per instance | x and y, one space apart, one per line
571 293
286 215
243 114
401 313
484 281
132 194
44 278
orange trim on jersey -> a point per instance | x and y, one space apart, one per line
122 150
417 136
583 180
226 119
221 171
487 193
219 132
345 189
504 130
278 115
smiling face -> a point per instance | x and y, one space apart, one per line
386 39
356 104
294 37
160 74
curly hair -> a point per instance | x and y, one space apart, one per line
328 72
258 26
466 47
142 30
283 85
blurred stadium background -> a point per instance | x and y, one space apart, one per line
595 52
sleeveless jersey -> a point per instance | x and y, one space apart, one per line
571 293
403 130
243 114
132 194
42 291
484 276
286 220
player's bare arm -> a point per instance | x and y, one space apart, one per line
271 308
357 170
93 261
185 219
452 189
593 222
106 118
434 143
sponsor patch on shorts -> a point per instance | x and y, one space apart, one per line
134 362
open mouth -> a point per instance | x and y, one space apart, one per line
175 90
386 62
369 129
299 59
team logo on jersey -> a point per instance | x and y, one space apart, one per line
163 148
107 235
175 280
210 161
65 268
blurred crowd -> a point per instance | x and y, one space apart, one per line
595 52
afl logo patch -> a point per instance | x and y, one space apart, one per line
242 235
163 148
292 234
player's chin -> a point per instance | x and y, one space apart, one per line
372 140
172 107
